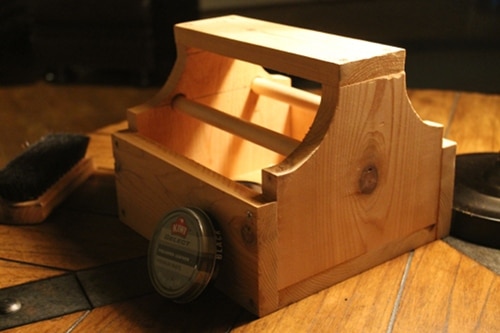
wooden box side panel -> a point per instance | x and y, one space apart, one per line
355 266
375 178
223 84
447 188
152 181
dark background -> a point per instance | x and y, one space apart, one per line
451 44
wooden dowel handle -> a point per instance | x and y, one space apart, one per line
286 94
262 136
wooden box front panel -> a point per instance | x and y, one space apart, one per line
152 181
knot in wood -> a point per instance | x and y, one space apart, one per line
368 179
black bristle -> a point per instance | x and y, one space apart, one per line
30 174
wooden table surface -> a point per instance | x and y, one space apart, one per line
83 256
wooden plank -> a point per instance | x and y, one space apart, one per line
486 256
446 291
355 266
468 281
488 317
151 313
71 240
312 55
368 307
370 296
446 191
377 132
112 128
100 151
365 139
262 136
15 273
290 95
476 123
33 110
58 324
223 84
433 105
97 195
168 181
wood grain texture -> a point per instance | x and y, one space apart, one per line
223 84
262 136
443 291
33 110
355 266
15 273
374 128
468 293
152 181
470 119
446 188
71 240
433 288
316 56
290 95
476 123
59 324
447 291
433 105
366 175
361 303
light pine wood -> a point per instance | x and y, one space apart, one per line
100 147
379 131
166 181
442 290
293 96
447 186
223 84
319 57
364 302
260 135
346 307
362 185
355 266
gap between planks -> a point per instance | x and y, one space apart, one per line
399 295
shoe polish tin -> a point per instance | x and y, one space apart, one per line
184 254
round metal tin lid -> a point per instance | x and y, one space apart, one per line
183 254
